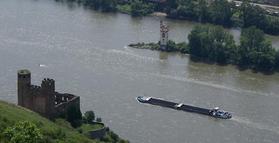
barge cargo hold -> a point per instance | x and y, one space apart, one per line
215 112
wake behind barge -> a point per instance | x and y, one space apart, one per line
215 112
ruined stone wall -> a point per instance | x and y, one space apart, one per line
43 99
27 100
97 134
62 107
61 98
39 103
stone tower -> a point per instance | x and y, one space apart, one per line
164 35
48 91
23 84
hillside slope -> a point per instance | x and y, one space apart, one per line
52 132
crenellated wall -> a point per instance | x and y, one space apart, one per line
61 98
43 99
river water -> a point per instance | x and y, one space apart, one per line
86 53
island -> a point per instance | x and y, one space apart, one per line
171 47
213 44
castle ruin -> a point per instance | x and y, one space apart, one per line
44 99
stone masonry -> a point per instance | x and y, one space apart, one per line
44 99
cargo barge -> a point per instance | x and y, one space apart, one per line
215 112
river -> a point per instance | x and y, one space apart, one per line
86 53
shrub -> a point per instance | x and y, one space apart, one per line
74 116
89 116
23 132
99 119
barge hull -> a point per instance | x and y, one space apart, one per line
187 108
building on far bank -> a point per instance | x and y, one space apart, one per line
44 99
271 2
157 1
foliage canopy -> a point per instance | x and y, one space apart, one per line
23 132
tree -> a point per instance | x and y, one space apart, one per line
221 12
74 116
223 45
104 5
252 15
171 5
277 60
96 4
171 45
271 25
202 11
99 119
108 5
218 11
212 43
89 116
183 48
136 8
23 132
140 8
255 51
266 61
195 43
186 9
250 40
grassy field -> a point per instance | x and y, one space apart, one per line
59 131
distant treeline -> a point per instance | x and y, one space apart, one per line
220 12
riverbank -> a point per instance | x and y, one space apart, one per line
150 46
88 49
171 47
58 131
231 14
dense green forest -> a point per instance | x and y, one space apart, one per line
255 16
214 44
222 12
218 12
